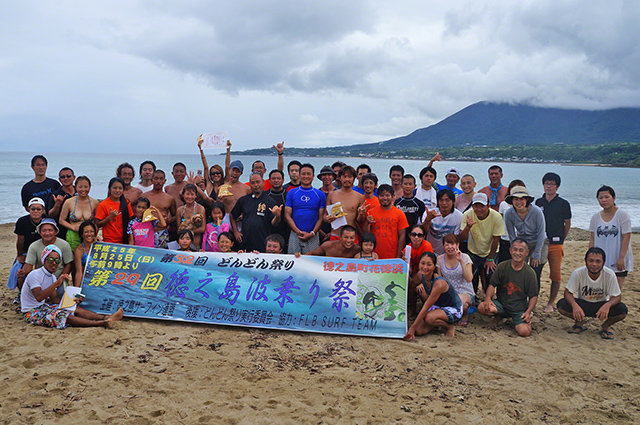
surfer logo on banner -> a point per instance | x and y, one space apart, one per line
213 140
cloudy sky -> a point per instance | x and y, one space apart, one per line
127 75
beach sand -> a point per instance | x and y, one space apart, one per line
146 371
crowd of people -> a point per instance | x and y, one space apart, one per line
468 250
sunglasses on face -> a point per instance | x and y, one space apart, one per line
416 235
216 173
35 209
66 176
53 260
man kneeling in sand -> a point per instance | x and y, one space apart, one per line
516 285
41 286
345 247
593 291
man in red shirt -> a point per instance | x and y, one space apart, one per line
388 224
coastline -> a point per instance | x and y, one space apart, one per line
152 371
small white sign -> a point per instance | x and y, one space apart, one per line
214 140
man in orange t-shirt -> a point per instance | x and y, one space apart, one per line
388 224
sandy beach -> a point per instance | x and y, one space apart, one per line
148 372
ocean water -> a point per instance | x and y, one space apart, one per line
579 183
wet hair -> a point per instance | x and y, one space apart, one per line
276 171
275 237
551 177
122 167
418 226
430 255
141 199
409 176
495 167
605 188
307 165
124 209
369 237
79 178
396 168
219 205
430 170
85 224
294 162
153 165
347 169
37 157
364 166
385 188
227 235
369 176
179 164
445 192
183 232
597 251
450 238
347 228
66 169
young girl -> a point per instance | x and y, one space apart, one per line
215 228
441 306
456 268
226 241
367 245
185 239
113 213
190 208
143 233
77 209
88 233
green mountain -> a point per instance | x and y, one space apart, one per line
510 132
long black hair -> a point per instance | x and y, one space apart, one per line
124 209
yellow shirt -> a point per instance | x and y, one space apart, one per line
482 233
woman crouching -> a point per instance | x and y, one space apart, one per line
441 306
40 286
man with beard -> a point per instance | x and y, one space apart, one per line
346 198
259 216
344 247
593 291
126 172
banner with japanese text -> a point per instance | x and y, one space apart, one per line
315 294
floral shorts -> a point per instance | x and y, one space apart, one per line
48 315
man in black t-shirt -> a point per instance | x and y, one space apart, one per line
27 233
279 196
259 216
412 207
557 220
41 186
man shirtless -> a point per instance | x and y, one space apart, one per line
396 173
147 168
351 201
495 192
344 247
126 172
165 203
237 189
179 173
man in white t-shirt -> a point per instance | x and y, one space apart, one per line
593 291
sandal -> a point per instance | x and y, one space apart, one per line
606 334
575 329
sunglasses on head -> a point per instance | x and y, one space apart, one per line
53 260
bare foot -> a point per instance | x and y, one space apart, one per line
116 316
451 331
549 308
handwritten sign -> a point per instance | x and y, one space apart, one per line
214 140
315 294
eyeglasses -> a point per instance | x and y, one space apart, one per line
550 184
416 235
66 176
53 260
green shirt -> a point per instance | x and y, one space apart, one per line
514 288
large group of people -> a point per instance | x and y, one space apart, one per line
468 250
